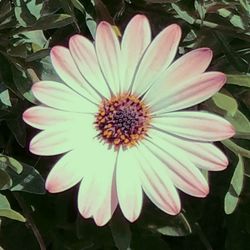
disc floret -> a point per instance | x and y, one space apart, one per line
123 120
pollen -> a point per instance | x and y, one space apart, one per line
123 121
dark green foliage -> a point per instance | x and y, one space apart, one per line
30 218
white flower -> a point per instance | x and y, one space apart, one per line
120 123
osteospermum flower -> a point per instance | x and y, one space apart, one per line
119 120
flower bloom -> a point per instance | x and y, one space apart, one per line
120 120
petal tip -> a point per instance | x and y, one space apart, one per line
223 166
25 115
32 148
221 78
176 209
207 52
35 87
73 38
204 191
140 17
54 50
176 28
103 24
50 187
231 130
100 223
132 218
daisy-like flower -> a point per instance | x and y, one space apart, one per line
120 122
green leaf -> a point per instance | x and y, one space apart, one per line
5 97
43 70
48 22
54 21
183 14
5 7
17 127
236 148
240 80
28 181
12 163
23 83
23 14
235 20
6 74
226 103
240 122
246 5
91 24
5 180
236 185
77 4
6 211
35 7
36 37
120 231
233 57
37 56
199 6
7 19
179 226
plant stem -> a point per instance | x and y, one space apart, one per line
30 222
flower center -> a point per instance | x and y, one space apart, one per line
123 120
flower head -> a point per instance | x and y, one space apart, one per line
120 120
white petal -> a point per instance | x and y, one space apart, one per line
67 172
97 194
157 58
182 172
128 184
132 50
59 96
156 182
42 117
201 126
63 137
69 73
189 65
108 54
185 68
83 53
186 93
204 155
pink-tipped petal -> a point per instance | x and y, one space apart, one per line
84 55
67 70
157 58
182 172
97 196
55 140
44 117
108 54
200 126
185 68
104 214
156 182
129 189
191 64
135 40
67 172
186 94
59 96
203 155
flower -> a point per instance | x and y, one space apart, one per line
120 121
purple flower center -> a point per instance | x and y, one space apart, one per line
123 120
